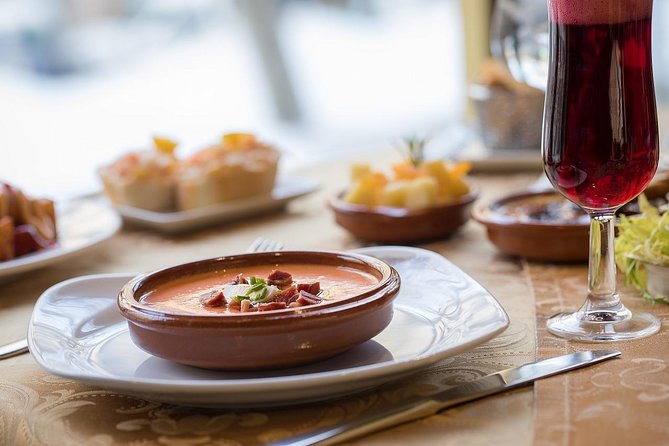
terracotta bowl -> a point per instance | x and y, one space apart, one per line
400 225
260 340
513 230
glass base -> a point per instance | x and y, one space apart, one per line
603 326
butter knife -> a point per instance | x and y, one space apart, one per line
13 349
419 407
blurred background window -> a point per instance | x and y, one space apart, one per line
82 81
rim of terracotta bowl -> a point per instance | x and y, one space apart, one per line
338 204
131 307
489 215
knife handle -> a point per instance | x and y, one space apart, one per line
366 425
13 349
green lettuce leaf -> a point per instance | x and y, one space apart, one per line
642 238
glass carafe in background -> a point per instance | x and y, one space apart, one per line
600 142
519 37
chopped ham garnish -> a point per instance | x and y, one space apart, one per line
279 278
306 298
311 288
277 292
213 299
271 306
235 305
239 279
287 295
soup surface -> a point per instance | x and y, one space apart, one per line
205 293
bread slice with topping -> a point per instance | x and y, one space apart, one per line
144 179
240 166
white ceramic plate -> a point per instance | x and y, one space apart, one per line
76 331
286 189
82 224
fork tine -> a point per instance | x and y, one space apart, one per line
277 246
264 245
253 247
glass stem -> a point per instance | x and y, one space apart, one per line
602 294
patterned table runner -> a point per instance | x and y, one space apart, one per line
623 401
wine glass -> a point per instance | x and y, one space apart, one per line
600 142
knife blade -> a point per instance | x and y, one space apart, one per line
420 407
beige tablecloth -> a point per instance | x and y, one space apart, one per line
38 408
625 401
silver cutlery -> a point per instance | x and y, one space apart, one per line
420 407
264 245
14 349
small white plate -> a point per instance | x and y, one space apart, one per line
76 331
286 189
81 225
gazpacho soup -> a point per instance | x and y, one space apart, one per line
259 288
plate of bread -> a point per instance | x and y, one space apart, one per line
235 178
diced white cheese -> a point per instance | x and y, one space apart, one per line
273 290
230 291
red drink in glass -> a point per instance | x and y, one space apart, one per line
600 124
600 142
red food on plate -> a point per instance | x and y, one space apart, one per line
27 225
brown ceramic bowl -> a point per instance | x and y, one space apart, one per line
400 225
260 340
537 225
